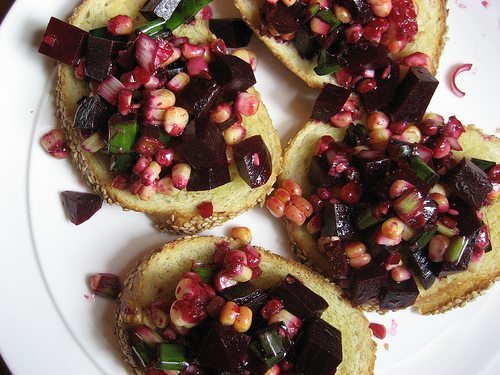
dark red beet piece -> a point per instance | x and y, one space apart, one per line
467 220
232 73
159 9
93 113
372 166
63 42
234 31
298 299
336 221
367 283
253 161
421 266
199 96
126 58
359 9
319 349
306 42
223 348
337 258
398 295
245 294
330 101
99 53
413 95
208 178
169 71
280 17
360 56
80 206
470 183
401 171
382 95
318 173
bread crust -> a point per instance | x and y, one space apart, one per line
156 276
430 39
179 213
447 293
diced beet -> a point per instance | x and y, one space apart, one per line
420 265
372 166
319 349
166 73
199 96
126 58
298 298
223 348
253 161
93 114
355 135
284 19
382 95
318 173
430 209
63 42
329 102
245 294
452 268
207 149
336 221
470 183
80 206
409 206
98 57
208 178
398 295
306 42
155 131
359 9
234 31
159 9
360 56
401 171
337 259
367 283
232 73
413 95
467 220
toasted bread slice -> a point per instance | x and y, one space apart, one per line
430 39
445 294
174 213
157 275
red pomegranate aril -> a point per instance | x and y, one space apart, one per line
354 33
247 104
105 285
273 306
181 172
120 25
323 143
292 187
367 85
235 256
295 215
218 47
318 26
378 330
441 149
360 261
441 201
393 261
302 204
189 50
196 66
120 182
437 247
341 120
165 157
314 225
275 206
351 193
53 142
205 209
400 274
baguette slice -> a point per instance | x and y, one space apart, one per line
178 213
430 39
156 276
445 294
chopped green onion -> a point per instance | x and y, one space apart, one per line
423 239
445 230
456 249
122 136
152 27
101 32
313 9
485 165
143 353
366 218
205 273
184 11
271 342
172 357
423 171
328 16
121 162
327 68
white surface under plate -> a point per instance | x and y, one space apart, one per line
47 326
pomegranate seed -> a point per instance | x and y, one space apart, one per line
324 193
351 193
354 249
120 182
246 55
53 142
341 120
378 330
181 172
295 215
314 225
360 261
494 174
205 209
275 206
400 274
378 120
393 261
234 134
247 104
175 121
105 285
165 157
437 247
323 144
441 149
273 306
120 25
165 186
292 187
179 81
235 256
366 85
318 26
218 47
398 187
196 66
221 113
354 33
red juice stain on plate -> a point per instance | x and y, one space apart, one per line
485 3
393 329
460 4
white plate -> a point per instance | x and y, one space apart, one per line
48 326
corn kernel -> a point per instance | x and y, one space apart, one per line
242 233
243 320
229 313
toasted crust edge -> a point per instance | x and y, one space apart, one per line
430 42
175 218
275 267
440 297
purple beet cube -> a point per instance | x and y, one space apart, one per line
253 161
159 9
467 220
298 298
470 183
232 73
199 96
208 178
359 9
398 295
421 266
234 31
245 294
462 265
367 283
80 206
330 102
93 114
382 95
223 348
336 221
284 19
318 173
98 57
63 42
319 349
372 165
337 259
413 95
360 56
